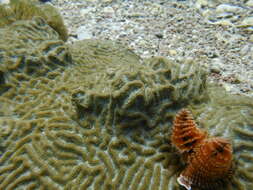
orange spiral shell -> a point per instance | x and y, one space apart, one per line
209 164
185 134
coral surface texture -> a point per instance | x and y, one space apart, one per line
93 115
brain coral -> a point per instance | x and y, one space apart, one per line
64 124
98 120
28 9
231 116
29 48
124 88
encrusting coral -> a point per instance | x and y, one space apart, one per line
209 160
94 115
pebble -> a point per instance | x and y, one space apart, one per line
227 87
245 50
223 23
250 3
216 65
251 38
85 11
228 8
172 52
215 69
107 1
248 21
108 10
201 3
4 1
84 33
92 1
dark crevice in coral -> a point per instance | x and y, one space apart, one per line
3 86
2 80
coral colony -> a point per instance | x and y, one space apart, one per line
209 159
94 115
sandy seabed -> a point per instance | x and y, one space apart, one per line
218 34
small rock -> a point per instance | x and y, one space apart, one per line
227 87
108 12
85 11
215 69
201 3
245 50
172 52
4 1
216 65
224 15
156 9
248 21
107 1
224 22
206 13
84 33
251 38
228 8
143 43
250 3
159 35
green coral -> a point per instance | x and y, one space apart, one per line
27 9
94 115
